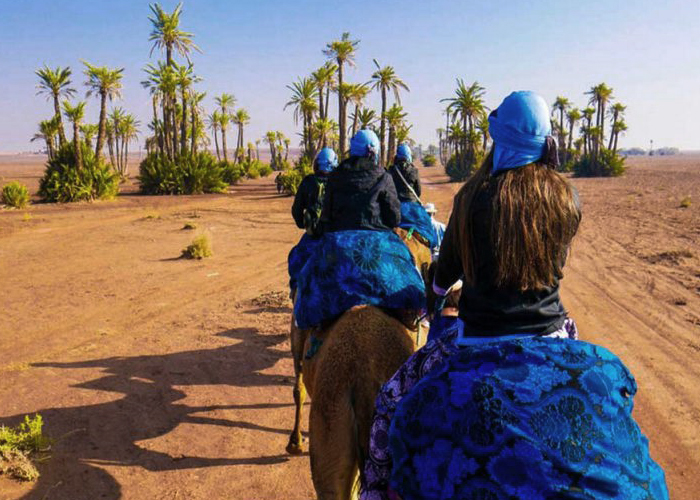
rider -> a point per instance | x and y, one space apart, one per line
360 194
308 202
359 260
405 175
509 404
306 210
438 226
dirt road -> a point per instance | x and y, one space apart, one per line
163 378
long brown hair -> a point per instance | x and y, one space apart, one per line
534 215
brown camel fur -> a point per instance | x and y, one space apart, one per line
359 352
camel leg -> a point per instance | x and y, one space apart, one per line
295 446
334 448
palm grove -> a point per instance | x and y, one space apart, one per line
464 142
310 97
178 159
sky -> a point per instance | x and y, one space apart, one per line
647 51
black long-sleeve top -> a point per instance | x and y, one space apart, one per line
410 175
306 196
360 195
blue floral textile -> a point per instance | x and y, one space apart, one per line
534 418
298 256
349 268
414 216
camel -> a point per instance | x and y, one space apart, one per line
346 364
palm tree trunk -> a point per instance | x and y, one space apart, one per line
321 115
328 95
183 132
341 110
354 120
126 158
57 111
102 125
76 145
612 133
571 138
193 139
49 147
216 142
382 130
223 143
176 141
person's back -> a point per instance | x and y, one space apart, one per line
405 175
360 195
308 203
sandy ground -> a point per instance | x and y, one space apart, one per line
162 378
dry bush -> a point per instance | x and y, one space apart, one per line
685 202
198 249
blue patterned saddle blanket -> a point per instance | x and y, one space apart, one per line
350 268
414 216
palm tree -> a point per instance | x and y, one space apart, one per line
600 94
195 110
356 94
112 132
185 78
76 114
128 131
271 139
105 83
366 118
572 116
166 34
383 80
585 130
469 104
257 149
321 130
618 127
482 125
88 131
240 118
304 93
342 51
617 112
561 104
324 77
224 101
47 133
394 117
213 120
55 83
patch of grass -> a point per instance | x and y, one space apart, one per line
189 226
685 202
18 445
15 195
27 217
673 257
198 249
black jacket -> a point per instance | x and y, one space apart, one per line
306 196
410 174
360 195
486 309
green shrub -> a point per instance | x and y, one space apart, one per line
253 170
187 174
292 176
607 164
198 249
18 444
461 166
232 172
63 182
429 160
265 170
15 194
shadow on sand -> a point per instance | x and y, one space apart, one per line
108 433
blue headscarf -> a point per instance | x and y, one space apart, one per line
403 152
364 143
519 129
326 160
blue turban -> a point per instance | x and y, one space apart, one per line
364 143
519 129
326 160
403 152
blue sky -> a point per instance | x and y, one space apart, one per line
646 50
